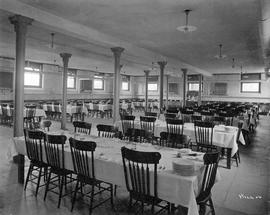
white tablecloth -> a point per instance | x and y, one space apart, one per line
39 112
180 190
74 109
221 137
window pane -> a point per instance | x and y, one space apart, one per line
251 87
193 87
98 84
32 79
152 87
71 82
125 85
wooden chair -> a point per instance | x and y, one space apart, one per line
107 131
204 198
204 136
34 140
196 118
175 126
174 140
84 166
127 125
82 127
153 114
170 115
148 125
141 188
47 124
29 119
54 149
186 115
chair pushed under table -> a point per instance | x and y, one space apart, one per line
140 169
84 166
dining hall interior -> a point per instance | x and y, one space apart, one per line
134 107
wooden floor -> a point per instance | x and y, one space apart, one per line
242 190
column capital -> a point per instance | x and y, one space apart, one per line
117 51
162 64
146 72
20 21
65 57
184 70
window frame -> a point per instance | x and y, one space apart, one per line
71 88
153 83
189 83
125 79
98 78
250 82
35 68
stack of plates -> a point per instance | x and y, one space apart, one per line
184 167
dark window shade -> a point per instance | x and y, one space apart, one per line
251 76
219 89
173 88
86 85
6 80
193 78
125 78
152 78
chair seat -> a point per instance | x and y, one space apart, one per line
61 172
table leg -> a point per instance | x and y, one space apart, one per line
229 155
20 168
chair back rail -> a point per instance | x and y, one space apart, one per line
138 166
107 131
204 134
175 126
33 141
54 149
83 157
82 127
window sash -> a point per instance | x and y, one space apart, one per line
193 86
98 84
250 87
125 85
71 82
32 82
152 86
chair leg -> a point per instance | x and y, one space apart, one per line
38 182
74 196
112 194
92 199
28 175
202 209
212 206
115 187
47 185
61 190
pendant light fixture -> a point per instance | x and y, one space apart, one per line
220 55
186 28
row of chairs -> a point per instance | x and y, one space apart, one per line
136 166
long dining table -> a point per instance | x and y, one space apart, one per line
223 136
173 187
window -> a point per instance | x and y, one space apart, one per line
33 75
71 79
125 83
98 83
250 87
152 87
193 86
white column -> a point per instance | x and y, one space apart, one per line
184 70
162 65
20 24
146 89
116 93
65 57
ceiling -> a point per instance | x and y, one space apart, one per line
147 31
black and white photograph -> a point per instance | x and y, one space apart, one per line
122 107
